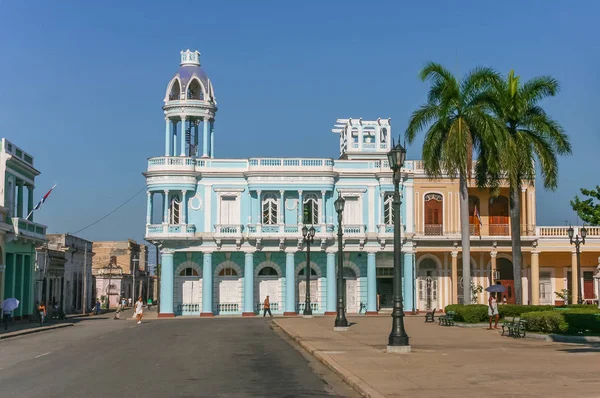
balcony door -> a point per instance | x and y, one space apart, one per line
499 216
434 213
352 212
230 211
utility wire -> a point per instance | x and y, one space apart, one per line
121 205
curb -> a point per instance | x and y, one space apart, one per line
350 378
34 330
559 338
471 325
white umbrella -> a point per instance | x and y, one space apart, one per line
10 304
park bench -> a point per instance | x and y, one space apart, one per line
448 319
517 329
430 316
509 322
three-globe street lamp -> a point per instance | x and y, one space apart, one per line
340 318
308 236
398 339
577 243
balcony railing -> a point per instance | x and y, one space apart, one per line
30 229
434 229
474 230
170 230
354 230
499 230
563 232
224 308
187 309
260 307
313 306
287 230
228 230
172 163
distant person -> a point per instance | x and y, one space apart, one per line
6 316
493 310
130 301
267 307
97 307
139 309
149 303
118 310
42 312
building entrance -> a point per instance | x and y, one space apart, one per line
385 287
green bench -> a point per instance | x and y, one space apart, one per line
448 319
514 326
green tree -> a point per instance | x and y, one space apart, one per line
529 135
456 116
589 209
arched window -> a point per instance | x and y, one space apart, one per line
388 209
355 135
269 209
311 209
228 271
303 272
195 91
174 210
267 271
349 273
434 224
368 135
383 135
188 272
499 216
175 90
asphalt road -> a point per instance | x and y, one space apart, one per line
100 357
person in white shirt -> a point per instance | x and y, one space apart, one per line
139 312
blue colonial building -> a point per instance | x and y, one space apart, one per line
229 230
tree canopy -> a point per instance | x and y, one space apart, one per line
588 209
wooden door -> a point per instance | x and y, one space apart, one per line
509 293
499 216
588 285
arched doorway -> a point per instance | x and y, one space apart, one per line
314 289
505 267
351 284
434 214
188 290
427 285
268 283
228 289
499 216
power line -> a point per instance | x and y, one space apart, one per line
121 205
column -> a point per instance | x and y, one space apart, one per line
454 277
281 208
30 201
166 207
259 201
290 284
173 148
212 138
371 284
408 203
196 125
524 228
322 212
408 281
207 285
331 288
149 209
166 285
535 278
183 219
574 277
168 137
20 199
249 285
182 138
300 208
205 139
493 255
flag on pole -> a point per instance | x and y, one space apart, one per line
476 214
41 202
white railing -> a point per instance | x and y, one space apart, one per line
563 232
170 230
227 308
290 164
354 230
260 307
28 228
228 229
172 163
288 230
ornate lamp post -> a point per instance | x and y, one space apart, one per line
577 243
340 318
398 339
308 236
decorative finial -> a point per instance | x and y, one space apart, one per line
190 58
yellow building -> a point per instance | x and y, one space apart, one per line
549 259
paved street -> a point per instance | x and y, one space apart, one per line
100 357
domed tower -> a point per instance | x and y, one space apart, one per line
190 106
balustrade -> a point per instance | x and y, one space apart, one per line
228 307
434 229
313 306
260 307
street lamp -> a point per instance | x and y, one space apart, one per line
398 339
308 236
577 243
340 318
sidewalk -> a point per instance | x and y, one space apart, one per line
447 361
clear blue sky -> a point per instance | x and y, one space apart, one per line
83 82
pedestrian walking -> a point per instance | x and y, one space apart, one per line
6 316
139 309
118 311
149 303
267 307
42 312
130 301
97 309
493 310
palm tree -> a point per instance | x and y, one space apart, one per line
529 134
458 120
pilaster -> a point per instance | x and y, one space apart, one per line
166 285
455 277
331 288
248 285
290 284
535 278
371 284
207 285
168 137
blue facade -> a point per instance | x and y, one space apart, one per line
230 229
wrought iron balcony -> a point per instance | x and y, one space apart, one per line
434 229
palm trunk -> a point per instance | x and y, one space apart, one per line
515 233
465 235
